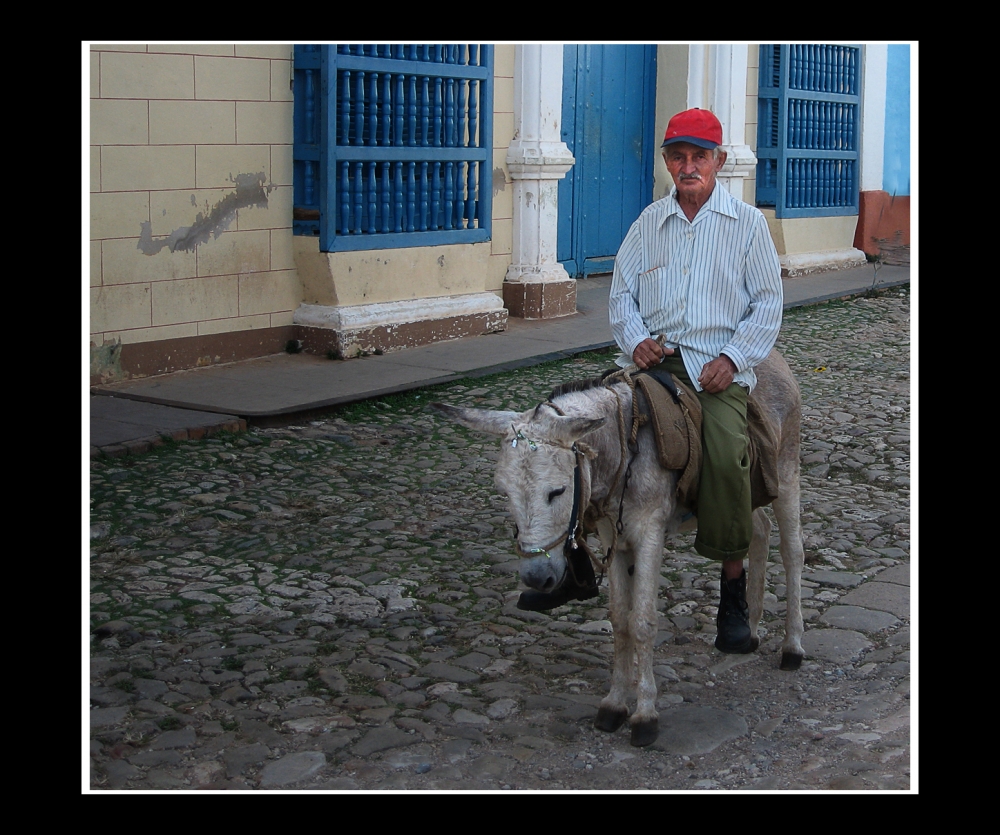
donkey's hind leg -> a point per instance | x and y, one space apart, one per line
756 575
786 511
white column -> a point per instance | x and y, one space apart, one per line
876 57
697 68
537 159
717 81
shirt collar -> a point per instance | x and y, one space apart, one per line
719 201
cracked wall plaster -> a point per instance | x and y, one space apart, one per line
250 192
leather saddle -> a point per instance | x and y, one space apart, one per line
675 413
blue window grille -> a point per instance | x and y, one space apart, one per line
393 144
808 129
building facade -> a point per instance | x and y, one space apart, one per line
343 200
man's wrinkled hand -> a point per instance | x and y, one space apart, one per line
717 375
649 353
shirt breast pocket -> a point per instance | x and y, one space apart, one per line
656 291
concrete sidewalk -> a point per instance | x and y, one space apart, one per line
134 415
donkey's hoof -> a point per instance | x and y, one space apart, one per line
754 643
645 732
610 719
791 660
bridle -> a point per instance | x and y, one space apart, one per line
573 536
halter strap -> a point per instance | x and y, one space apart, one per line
570 537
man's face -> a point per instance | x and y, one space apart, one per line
693 169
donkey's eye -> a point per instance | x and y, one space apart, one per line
554 493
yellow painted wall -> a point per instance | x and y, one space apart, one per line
800 235
173 129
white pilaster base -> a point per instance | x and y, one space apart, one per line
351 330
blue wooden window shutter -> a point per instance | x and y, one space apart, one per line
809 129
393 144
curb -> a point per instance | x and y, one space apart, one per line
142 445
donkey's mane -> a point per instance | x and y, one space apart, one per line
581 385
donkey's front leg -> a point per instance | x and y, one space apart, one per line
614 707
644 620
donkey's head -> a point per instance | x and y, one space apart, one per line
542 471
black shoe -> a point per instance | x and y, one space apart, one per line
733 620
540 601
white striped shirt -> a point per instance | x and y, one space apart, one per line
711 286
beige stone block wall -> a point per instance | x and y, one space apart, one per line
174 131
180 134
215 297
95 263
232 79
241 323
123 263
261 293
124 306
119 122
114 215
147 167
192 123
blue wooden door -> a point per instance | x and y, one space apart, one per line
608 124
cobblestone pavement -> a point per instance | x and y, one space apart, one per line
331 606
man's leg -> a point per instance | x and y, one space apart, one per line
725 517
725 520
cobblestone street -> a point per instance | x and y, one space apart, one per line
330 605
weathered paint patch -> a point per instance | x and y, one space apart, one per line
106 361
251 192
499 180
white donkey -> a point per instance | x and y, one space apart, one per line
565 459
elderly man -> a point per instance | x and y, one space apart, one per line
698 269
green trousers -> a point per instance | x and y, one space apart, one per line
725 522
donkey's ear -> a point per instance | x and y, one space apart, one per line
480 420
572 429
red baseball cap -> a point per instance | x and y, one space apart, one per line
697 126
